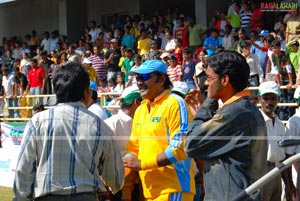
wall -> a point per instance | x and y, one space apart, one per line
100 8
20 17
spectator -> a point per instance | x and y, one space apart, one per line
157 158
87 65
95 107
269 96
195 33
221 23
153 53
239 154
181 32
36 79
212 42
174 70
111 59
68 131
121 124
188 70
144 41
293 131
97 59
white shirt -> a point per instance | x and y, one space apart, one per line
94 33
120 124
171 44
46 45
98 110
275 132
226 41
293 130
254 65
7 82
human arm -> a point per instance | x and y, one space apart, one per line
26 167
112 167
286 175
212 134
108 57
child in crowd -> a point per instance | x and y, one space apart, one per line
174 70
131 78
188 68
200 69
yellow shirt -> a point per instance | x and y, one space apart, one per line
144 45
92 73
160 127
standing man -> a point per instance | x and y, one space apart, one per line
36 80
97 59
268 97
227 138
111 59
156 147
8 85
46 64
121 124
292 31
293 130
67 149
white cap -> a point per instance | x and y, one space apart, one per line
128 90
86 61
181 87
268 87
163 55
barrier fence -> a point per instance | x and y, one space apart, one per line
33 99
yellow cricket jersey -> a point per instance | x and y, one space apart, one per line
160 127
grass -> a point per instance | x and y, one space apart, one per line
6 194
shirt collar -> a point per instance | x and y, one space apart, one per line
237 97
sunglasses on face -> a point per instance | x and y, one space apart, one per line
143 77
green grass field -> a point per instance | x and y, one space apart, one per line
6 194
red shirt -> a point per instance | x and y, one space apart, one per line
180 32
36 76
256 14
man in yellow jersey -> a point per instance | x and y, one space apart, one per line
231 139
156 147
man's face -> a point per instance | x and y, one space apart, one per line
268 103
33 64
96 50
149 85
214 84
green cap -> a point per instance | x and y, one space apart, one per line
131 97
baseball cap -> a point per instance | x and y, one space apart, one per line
263 32
297 95
163 55
113 40
86 61
93 86
180 87
131 97
268 87
150 66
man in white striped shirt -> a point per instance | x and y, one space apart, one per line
68 153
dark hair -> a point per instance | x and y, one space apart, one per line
269 38
69 83
245 44
234 65
94 95
168 84
38 106
276 43
186 51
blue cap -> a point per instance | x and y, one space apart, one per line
150 66
263 32
93 86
